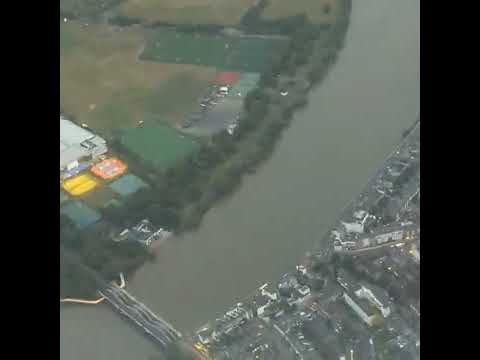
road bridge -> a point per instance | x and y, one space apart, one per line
126 304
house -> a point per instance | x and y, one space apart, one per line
376 297
144 233
360 214
360 307
354 227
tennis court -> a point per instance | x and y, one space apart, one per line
245 53
79 185
128 185
80 214
246 83
159 145
109 168
99 197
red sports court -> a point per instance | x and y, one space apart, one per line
227 78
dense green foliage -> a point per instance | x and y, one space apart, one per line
97 251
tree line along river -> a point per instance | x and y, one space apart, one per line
353 120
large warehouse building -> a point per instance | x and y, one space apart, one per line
77 143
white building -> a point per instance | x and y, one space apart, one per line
354 227
380 302
367 318
391 236
77 143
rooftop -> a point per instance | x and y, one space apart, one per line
76 142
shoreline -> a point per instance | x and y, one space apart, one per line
326 236
92 302
349 206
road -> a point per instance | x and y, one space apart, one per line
126 304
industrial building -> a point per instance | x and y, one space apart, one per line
78 144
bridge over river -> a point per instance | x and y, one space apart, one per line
160 330
140 315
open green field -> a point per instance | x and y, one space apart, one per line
221 12
105 85
318 11
245 54
158 144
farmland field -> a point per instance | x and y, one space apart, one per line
105 85
249 54
316 10
157 144
221 12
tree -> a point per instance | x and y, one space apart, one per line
316 73
269 79
223 141
193 193
161 216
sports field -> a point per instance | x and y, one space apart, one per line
247 54
221 12
105 85
127 185
81 215
79 185
99 197
318 11
109 168
157 144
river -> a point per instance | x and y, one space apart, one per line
354 120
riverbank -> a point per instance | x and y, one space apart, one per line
121 285
367 194
299 297
359 199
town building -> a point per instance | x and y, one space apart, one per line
361 308
376 296
144 233
77 144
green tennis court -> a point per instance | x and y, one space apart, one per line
159 145
245 53
128 185
80 214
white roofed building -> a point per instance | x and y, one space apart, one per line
77 143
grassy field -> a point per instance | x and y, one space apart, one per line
103 84
159 145
221 12
250 54
87 8
315 9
